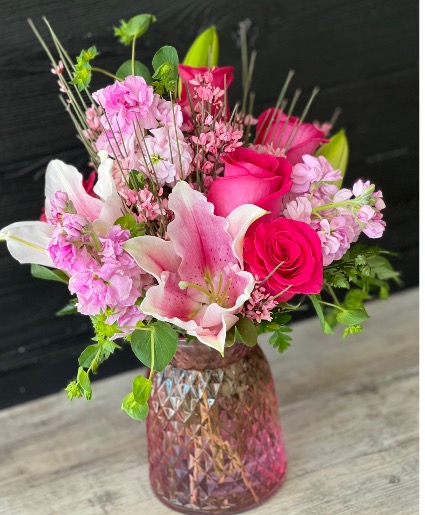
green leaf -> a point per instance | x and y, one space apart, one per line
133 409
246 332
141 389
166 65
280 340
281 318
84 382
139 69
139 24
336 152
69 309
155 346
134 28
166 54
327 329
204 50
41 272
87 55
354 298
88 355
230 337
338 280
352 316
129 222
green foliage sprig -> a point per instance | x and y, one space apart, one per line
365 273
280 339
83 68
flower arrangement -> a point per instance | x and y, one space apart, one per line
199 221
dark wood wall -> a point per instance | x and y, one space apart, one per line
362 53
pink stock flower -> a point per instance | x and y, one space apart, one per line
168 154
336 236
299 209
58 206
201 282
126 104
66 255
371 222
163 112
251 178
276 128
315 171
333 213
110 280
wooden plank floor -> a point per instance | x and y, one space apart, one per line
350 416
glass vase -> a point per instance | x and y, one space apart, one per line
214 434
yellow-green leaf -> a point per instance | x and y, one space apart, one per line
204 47
336 152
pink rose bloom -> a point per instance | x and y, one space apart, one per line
188 74
291 252
307 137
251 178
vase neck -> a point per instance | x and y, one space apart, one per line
198 356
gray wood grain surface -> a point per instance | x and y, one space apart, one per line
350 416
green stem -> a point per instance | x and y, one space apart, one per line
133 55
332 294
105 72
344 203
330 305
152 355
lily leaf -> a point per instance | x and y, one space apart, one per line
204 50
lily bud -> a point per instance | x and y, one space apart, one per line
336 152
204 50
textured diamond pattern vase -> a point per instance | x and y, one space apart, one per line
214 435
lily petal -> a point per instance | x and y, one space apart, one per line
239 221
153 255
215 336
106 190
28 241
169 303
200 238
66 178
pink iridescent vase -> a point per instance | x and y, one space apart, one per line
214 434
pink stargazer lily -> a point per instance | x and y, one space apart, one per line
201 281
28 241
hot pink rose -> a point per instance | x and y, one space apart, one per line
251 178
306 140
294 249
